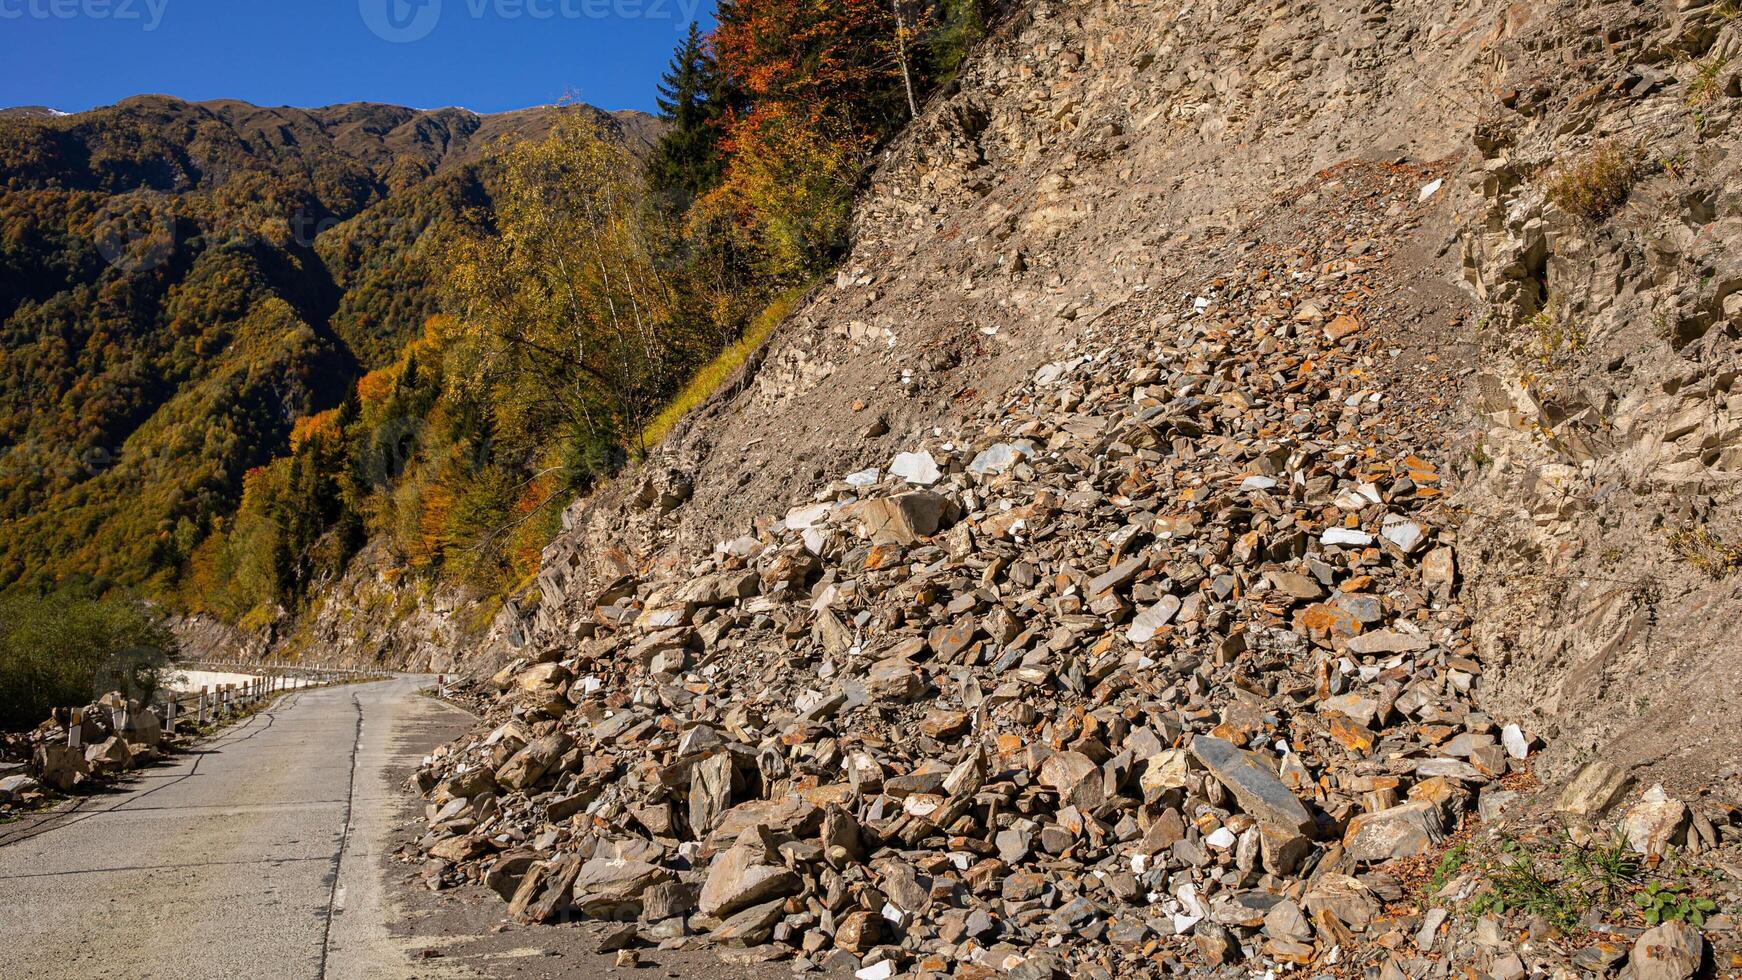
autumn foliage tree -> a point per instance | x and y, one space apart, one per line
819 84
568 301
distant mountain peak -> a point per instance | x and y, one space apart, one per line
33 112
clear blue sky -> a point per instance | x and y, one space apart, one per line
485 55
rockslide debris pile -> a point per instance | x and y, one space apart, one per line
1154 663
116 733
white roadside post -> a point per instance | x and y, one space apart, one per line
76 729
202 708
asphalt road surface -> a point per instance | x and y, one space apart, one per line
256 854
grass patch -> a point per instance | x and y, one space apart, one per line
713 374
1451 863
1518 882
1597 184
1554 337
1705 87
1561 880
1607 869
1699 547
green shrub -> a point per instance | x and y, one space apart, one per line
61 651
1672 903
1707 85
1706 551
1595 186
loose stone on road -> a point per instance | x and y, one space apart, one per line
258 853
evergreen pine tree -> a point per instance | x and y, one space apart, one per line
691 99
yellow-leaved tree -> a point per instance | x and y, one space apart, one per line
563 310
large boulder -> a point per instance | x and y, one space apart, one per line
611 888
509 870
529 765
1656 822
1399 832
13 788
60 766
138 725
1596 788
111 755
1672 951
1254 784
748 874
904 519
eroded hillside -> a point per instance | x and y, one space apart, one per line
1258 494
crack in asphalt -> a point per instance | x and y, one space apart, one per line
159 867
248 808
344 843
54 821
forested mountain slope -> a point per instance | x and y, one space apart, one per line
180 283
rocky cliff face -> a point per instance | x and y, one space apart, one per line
1093 149
1250 449
1605 443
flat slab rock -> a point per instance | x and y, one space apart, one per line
1257 787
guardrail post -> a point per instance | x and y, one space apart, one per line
202 709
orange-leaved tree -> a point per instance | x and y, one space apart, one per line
819 83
